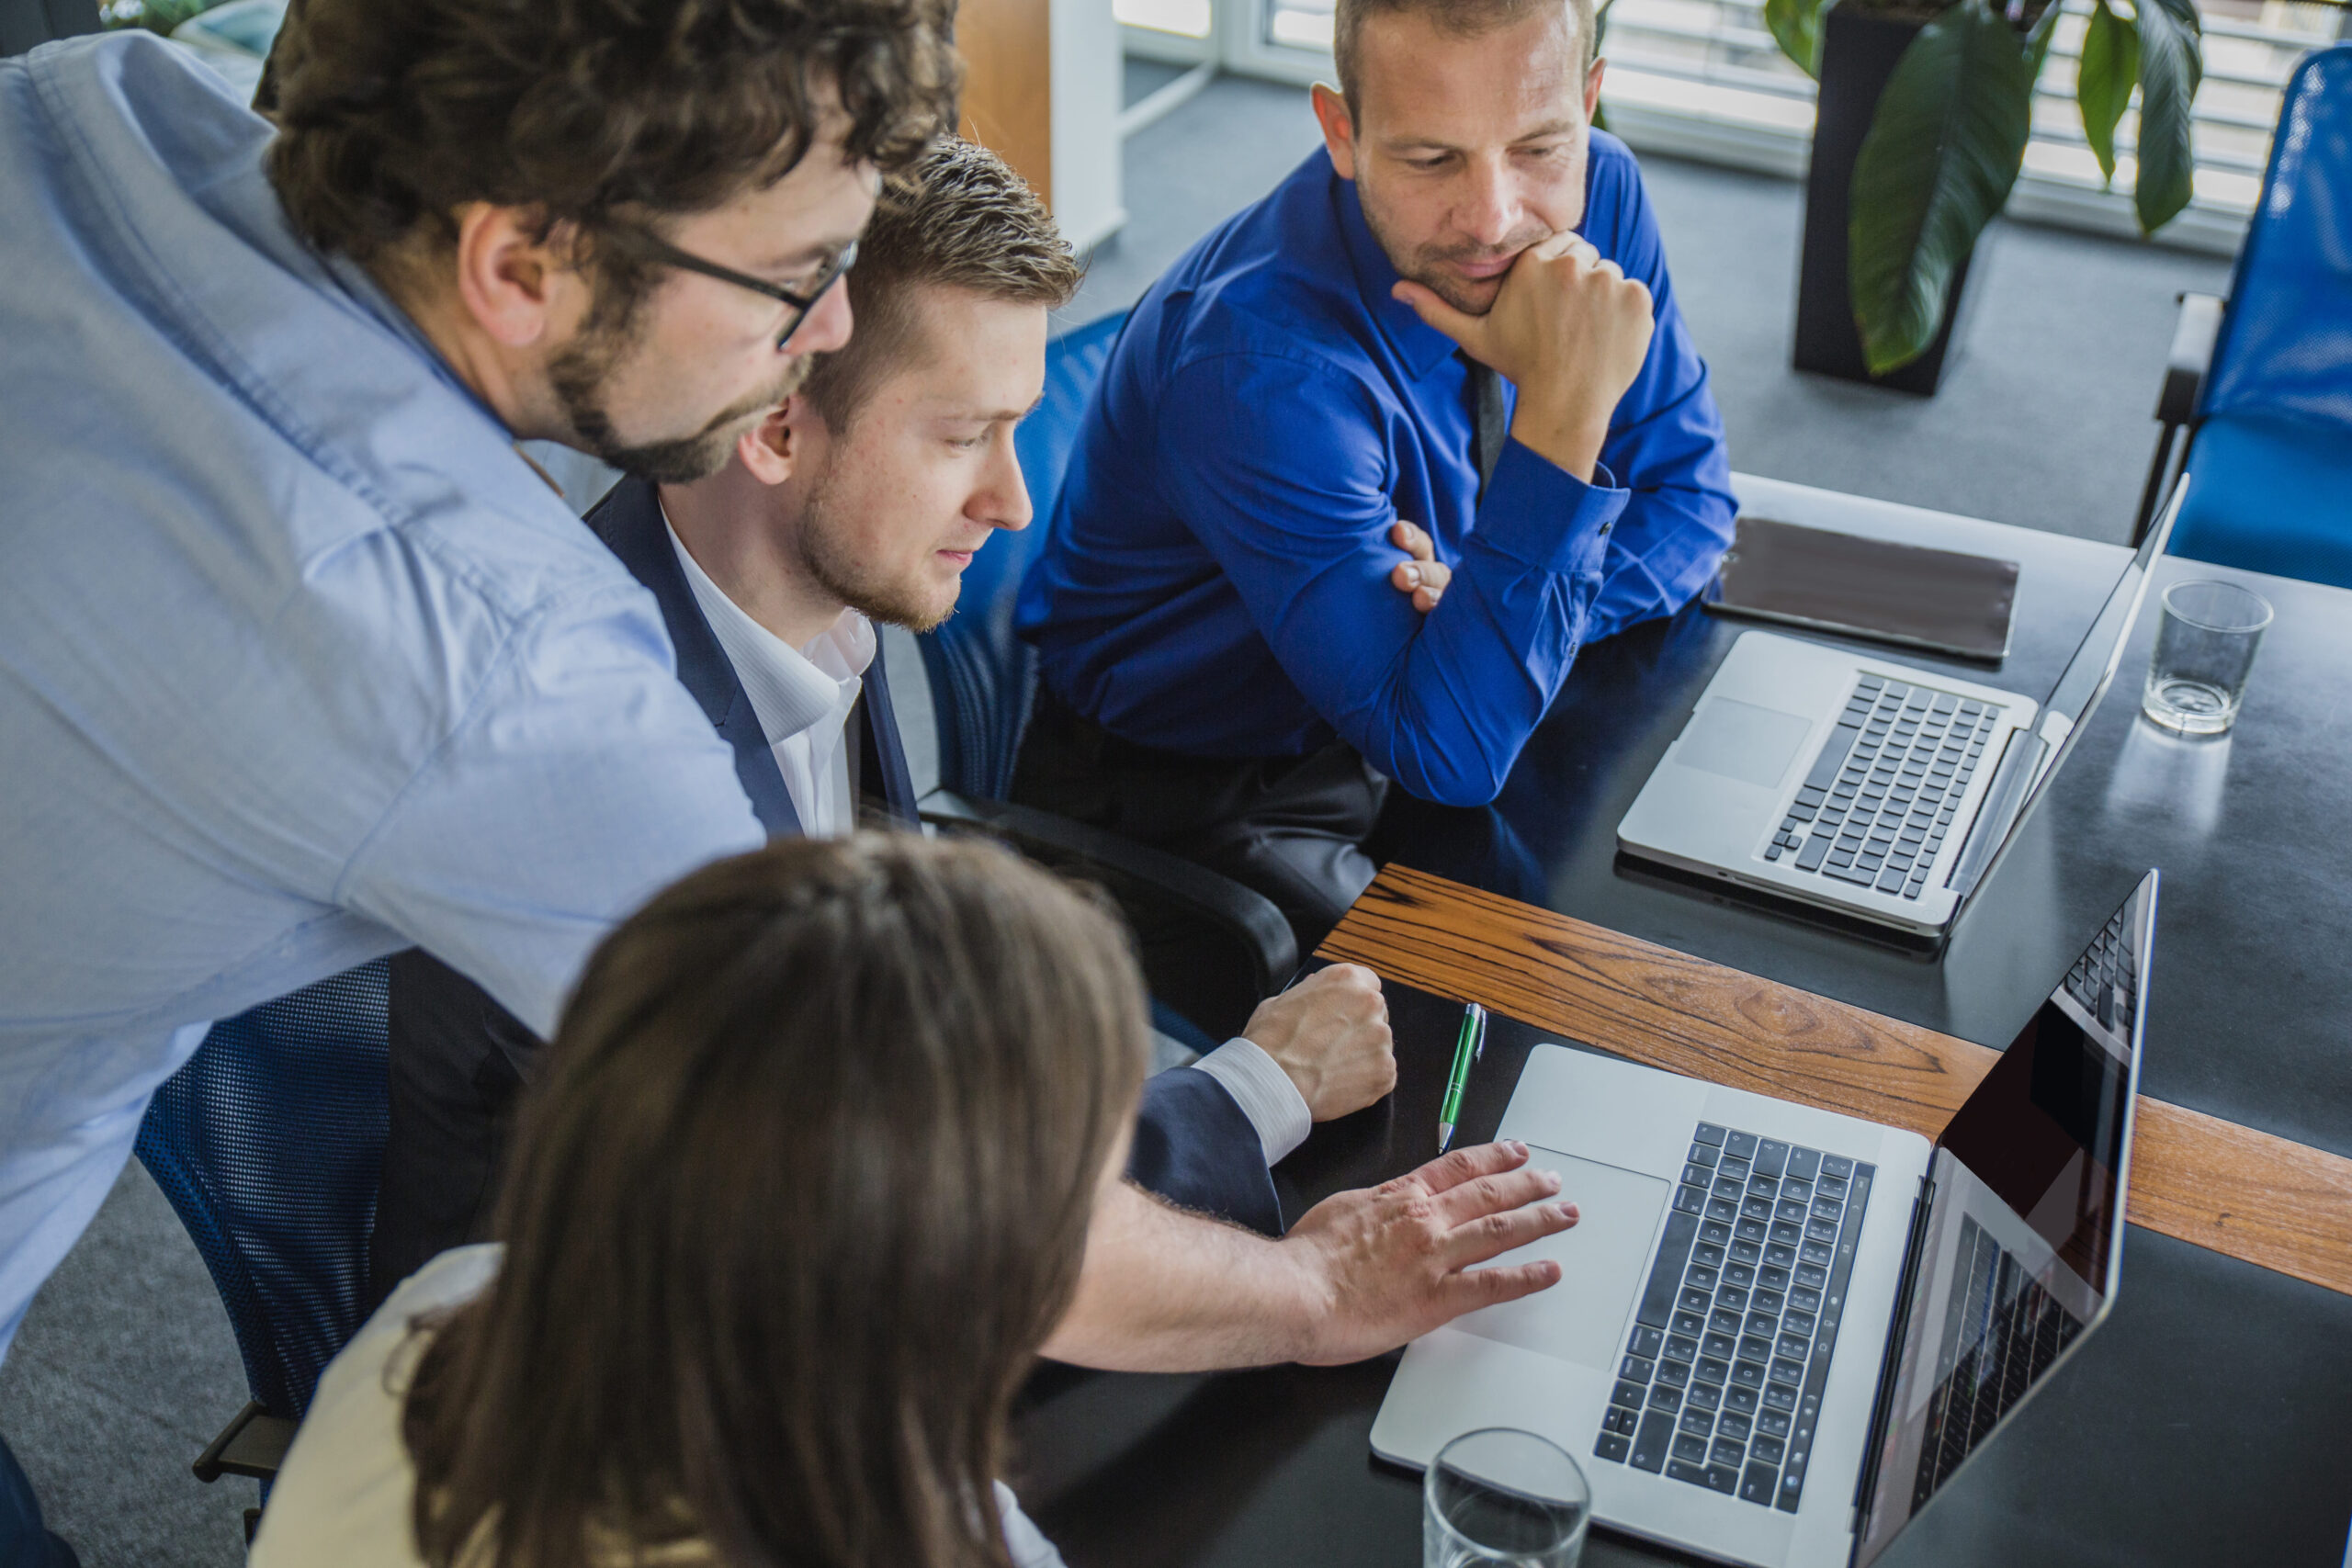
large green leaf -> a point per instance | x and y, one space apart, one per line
2172 62
2110 68
1796 26
1943 152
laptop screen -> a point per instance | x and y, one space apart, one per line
2034 758
2023 1239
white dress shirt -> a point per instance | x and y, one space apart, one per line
802 696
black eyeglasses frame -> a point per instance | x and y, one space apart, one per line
663 250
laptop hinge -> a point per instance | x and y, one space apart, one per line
1890 1360
2012 780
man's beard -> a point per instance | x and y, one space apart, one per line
825 544
1428 265
580 373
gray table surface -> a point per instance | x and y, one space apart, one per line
2205 1421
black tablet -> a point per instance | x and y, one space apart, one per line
1868 588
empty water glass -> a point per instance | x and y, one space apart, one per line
1499 1497
2205 646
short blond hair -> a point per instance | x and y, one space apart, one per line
958 218
1454 18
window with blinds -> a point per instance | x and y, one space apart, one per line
1702 78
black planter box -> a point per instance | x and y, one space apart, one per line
1858 50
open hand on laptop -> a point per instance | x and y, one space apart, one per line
1362 1272
1399 1259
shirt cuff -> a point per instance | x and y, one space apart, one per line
1265 1094
1537 512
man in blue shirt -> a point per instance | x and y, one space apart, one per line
1322 383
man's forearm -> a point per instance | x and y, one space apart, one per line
1163 1291
1447 719
1662 556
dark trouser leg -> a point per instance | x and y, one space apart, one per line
1293 828
22 1542
454 1077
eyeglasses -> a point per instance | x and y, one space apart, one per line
670 255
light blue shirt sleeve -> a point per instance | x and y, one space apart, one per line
580 783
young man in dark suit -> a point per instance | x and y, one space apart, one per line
861 501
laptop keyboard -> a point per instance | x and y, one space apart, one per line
2002 1332
2105 979
1721 1383
1882 792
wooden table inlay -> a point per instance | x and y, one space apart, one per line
2249 1194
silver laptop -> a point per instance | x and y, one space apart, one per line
1779 1331
1863 784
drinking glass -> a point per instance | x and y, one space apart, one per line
1502 1498
2205 647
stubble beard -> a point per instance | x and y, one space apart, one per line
580 375
1427 265
825 544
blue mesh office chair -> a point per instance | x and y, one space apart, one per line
2263 385
983 678
269 1141
25 25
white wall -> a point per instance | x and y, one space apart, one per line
1089 203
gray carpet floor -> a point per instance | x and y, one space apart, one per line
125 1367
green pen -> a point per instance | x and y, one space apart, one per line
1469 1046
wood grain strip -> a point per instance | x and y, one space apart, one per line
2252 1195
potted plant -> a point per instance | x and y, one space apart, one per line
1925 108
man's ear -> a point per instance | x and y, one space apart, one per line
1338 129
1592 89
766 449
512 280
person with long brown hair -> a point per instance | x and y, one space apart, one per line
801 1190
802 1187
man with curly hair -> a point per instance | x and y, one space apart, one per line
301 662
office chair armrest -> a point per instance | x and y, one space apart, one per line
2192 355
2186 367
254 1443
1138 874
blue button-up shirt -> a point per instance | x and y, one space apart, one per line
1217 582
299 660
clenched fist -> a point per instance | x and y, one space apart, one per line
1569 330
1329 1034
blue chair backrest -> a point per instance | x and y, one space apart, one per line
982 675
2273 453
269 1141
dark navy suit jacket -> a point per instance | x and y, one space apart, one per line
1192 1145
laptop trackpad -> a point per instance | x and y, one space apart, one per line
1582 1318
1740 740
